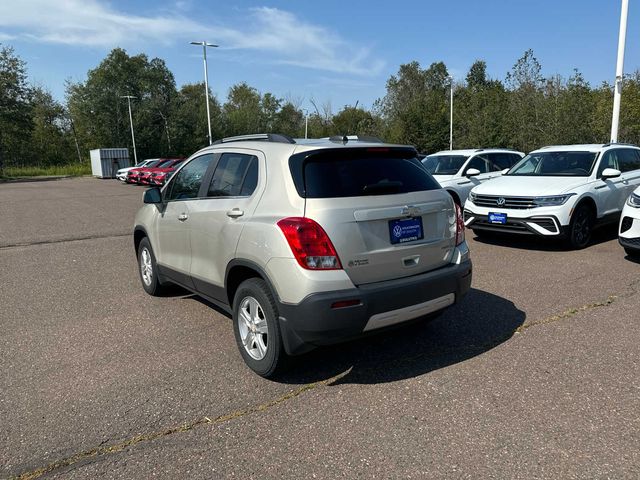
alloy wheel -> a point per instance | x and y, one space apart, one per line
252 324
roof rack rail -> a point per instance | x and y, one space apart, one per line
619 143
497 148
258 137
357 138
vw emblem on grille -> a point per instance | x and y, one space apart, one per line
500 202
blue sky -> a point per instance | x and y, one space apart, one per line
330 51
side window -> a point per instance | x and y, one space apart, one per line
513 159
186 183
236 175
500 161
628 159
609 160
479 163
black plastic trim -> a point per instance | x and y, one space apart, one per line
313 322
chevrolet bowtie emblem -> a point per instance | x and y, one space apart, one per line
410 211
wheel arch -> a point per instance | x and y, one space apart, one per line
588 201
454 195
240 270
139 233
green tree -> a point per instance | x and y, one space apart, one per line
189 119
356 121
526 121
15 109
50 141
243 110
101 116
415 107
289 121
480 111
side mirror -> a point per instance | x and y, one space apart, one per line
152 195
610 173
505 171
472 172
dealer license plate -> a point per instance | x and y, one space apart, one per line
405 230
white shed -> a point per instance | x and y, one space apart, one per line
105 162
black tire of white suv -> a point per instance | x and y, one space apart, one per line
148 269
252 327
581 227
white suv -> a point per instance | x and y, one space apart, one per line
458 171
305 243
629 228
558 191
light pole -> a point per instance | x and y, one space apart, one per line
133 137
451 114
617 93
206 81
306 122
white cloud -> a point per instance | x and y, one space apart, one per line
5 36
285 38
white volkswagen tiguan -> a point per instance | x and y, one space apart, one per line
558 191
629 228
458 171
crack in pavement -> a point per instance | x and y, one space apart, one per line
101 450
63 240
118 447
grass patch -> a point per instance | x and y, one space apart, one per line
74 170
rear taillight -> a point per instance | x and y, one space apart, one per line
459 225
310 244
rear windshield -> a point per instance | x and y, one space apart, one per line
359 172
444 164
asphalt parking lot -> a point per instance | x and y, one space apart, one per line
535 375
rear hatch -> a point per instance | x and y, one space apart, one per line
385 215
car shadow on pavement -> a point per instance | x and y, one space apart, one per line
530 242
479 323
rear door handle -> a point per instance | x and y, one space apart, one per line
235 213
182 217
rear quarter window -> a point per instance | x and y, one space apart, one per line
359 172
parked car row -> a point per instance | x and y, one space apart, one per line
558 191
154 171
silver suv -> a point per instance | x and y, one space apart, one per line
304 242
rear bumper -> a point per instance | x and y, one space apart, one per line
314 322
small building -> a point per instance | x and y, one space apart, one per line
105 162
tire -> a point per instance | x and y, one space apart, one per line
580 228
148 269
256 328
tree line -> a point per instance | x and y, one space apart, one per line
524 111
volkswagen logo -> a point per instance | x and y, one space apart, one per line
500 202
397 231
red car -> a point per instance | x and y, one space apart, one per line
143 175
132 174
160 175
